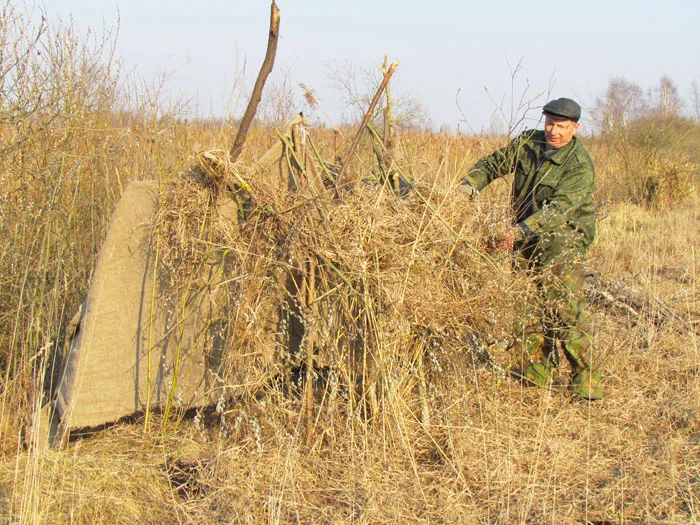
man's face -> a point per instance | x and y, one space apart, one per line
559 132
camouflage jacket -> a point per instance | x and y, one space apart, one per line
552 194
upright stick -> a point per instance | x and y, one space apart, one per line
365 121
388 125
259 83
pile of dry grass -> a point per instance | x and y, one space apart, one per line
362 287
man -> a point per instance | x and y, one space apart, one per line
553 227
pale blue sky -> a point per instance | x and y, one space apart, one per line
565 48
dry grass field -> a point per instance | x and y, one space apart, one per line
437 431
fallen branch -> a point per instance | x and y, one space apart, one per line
636 305
674 315
599 295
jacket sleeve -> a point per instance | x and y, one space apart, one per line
571 201
499 163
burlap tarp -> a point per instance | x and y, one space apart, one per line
128 344
137 346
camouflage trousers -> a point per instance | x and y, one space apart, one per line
551 315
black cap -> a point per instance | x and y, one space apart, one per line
563 108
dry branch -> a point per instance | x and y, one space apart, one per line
265 70
365 121
636 304
388 123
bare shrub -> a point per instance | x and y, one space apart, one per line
69 145
646 140
357 86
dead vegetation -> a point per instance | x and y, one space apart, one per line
366 366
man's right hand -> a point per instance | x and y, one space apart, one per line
467 188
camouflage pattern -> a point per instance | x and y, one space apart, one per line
552 194
553 316
552 199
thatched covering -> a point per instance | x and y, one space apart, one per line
351 283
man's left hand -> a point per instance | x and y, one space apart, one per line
506 240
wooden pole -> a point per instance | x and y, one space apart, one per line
388 125
309 298
259 83
365 121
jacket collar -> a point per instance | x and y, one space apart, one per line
562 154
559 157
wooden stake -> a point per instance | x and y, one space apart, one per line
259 83
388 125
309 298
368 115
422 387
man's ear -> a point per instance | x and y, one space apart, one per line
576 126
